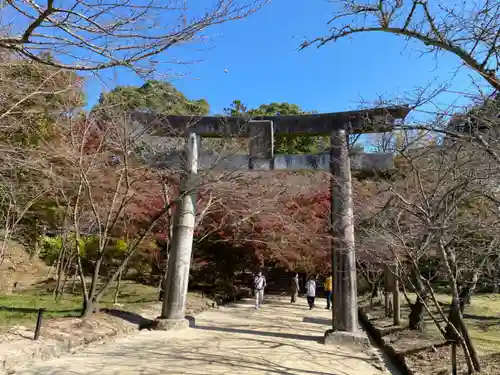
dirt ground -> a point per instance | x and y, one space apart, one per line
18 271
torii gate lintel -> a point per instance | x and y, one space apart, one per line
374 120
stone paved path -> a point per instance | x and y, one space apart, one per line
280 338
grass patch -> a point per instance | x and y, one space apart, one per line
21 308
483 319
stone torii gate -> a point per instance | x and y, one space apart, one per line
261 131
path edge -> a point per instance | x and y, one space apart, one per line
397 360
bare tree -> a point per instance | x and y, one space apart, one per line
470 30
32 96
16 199
93 35
439 210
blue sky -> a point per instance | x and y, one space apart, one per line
264 64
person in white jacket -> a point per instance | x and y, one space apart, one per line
311 291
259 283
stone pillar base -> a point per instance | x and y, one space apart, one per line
170 324
358 340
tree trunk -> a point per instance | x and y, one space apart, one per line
396 303
4 244
59 272
63 287
416 317
59 283
85 293
163 281
469 343
496 284
73 285
465 296
117 290
68 261
375 290
454 368
388 293
467 291
452 320
95 275
455 317
34 254
92 301
88 308
161 287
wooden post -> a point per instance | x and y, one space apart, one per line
396 304
38 327
179 261
345 307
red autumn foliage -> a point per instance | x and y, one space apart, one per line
292 231
299 232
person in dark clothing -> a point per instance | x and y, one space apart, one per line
294 287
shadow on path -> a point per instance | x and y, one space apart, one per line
291 336
130 317
322 321
481 317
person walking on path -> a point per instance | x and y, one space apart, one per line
311 292
294 287
259 283
328 291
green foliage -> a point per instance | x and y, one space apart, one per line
114 252
52 246
283 144
158 96
121 245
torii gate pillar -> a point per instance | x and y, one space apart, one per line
345 300
179 261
